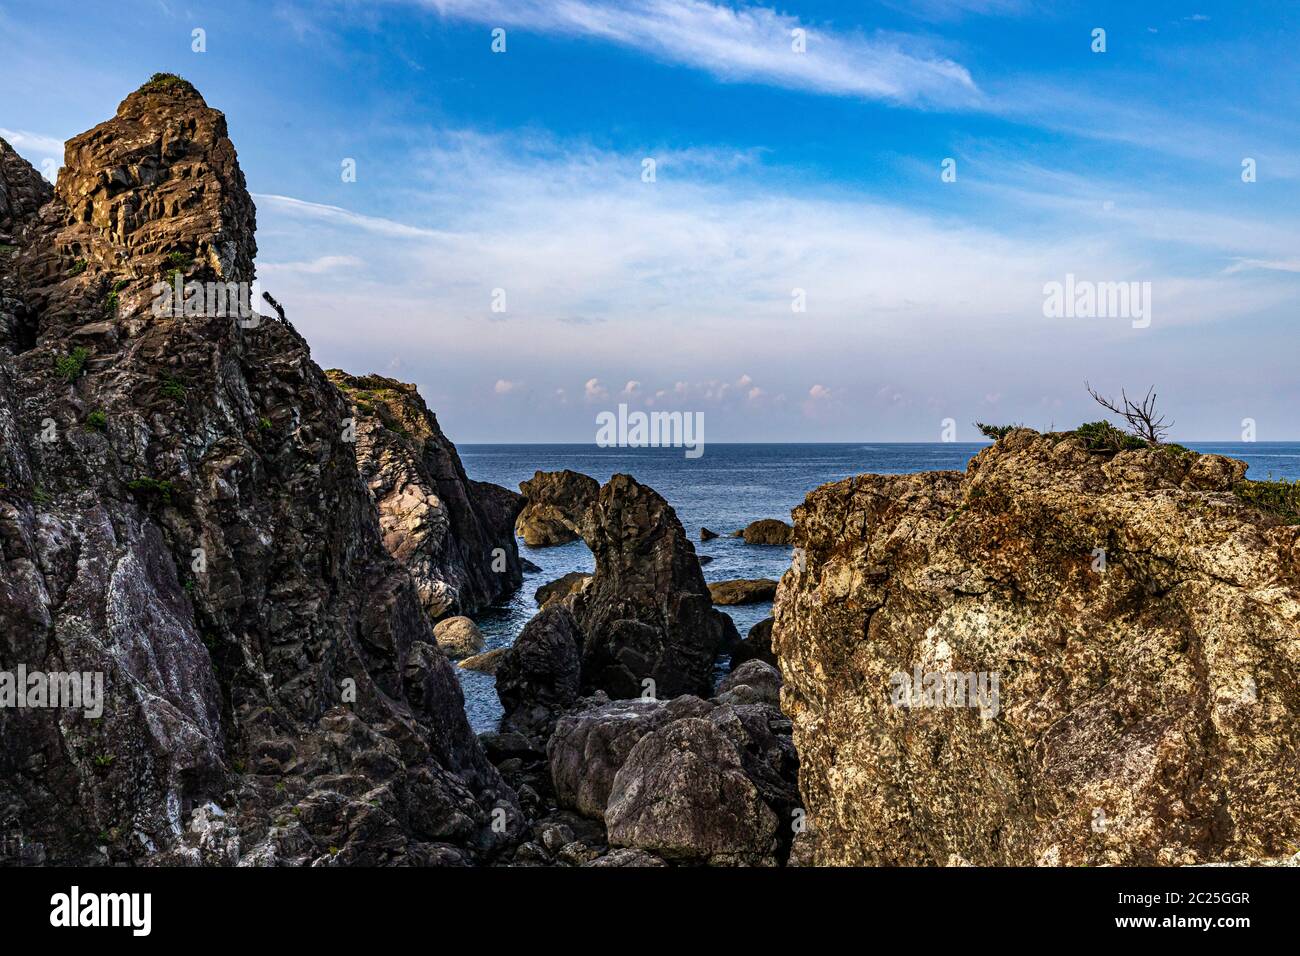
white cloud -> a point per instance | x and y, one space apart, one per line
594 390
318 266
743 42
504 386
30 144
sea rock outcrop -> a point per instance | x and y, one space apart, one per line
742 591
181 513
1059 656
453 535
767 531
555 504
646 613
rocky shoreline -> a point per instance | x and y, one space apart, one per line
274 566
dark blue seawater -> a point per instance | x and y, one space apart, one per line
724 490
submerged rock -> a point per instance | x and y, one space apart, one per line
1140 622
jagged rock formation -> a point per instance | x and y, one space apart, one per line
180 510
556 501
646 614
1143 623
453 535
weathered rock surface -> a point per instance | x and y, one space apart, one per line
757 645
682 794
723 794
197 531
767 531
1148 708
453 535
458 636
555 504
538 677
742 591
561 588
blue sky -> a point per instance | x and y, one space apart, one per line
775 171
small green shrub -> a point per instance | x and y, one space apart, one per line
152 488
166 82
264 424
1103 436
73 365
995 432
77 268
41 496
97 420
171 388
1281 498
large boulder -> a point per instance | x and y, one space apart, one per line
537 678
683 794
669 804
458 636
1060 656
556 502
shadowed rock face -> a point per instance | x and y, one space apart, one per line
1147 713
196 530
453 535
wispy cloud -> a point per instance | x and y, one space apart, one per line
741 43
31 144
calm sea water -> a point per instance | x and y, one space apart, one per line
724 490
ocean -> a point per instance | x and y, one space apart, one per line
724 490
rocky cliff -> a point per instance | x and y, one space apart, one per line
1061 656
181 510
453 535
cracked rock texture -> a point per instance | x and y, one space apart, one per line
1148 712
180 511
